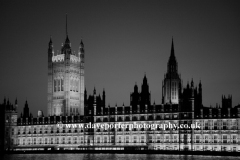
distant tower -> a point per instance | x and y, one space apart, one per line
26 110
145 94
172 81
65 80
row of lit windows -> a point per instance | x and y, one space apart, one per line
215 139
157 139
59 85
142 118
63 140
73 110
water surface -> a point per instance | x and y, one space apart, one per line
113 157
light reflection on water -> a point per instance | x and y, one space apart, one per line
112 157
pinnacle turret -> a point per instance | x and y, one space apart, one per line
172 62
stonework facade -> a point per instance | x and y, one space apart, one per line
65 80
68 103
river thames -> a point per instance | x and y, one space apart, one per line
113 157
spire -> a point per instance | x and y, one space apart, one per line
145 78
172 48
67 41
188 84
66 27
135 87
81 43
4 101
50 45
200 84
172 62
81 47
50 42
103 91
192 83
26 103
94 90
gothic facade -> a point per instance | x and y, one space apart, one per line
69 104
65 80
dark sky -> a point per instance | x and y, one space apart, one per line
123 40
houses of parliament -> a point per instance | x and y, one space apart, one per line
69 103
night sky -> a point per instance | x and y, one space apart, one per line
123 41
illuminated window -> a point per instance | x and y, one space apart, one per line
234 125
206 125
224 138
62 85
135 139
73 85
142 139
59 84
119 140
206 139
215 125
167 139
127 139
105 139
215 139
77 85
71 82
55 85
150 139
234 139
158 139
112 139
224 125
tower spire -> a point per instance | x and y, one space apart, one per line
172 49
67 41
50 42
66 27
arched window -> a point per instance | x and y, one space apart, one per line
71 84
59 84
77 85
127 139
62 85
119 140
55 85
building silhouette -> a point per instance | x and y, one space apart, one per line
68 103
